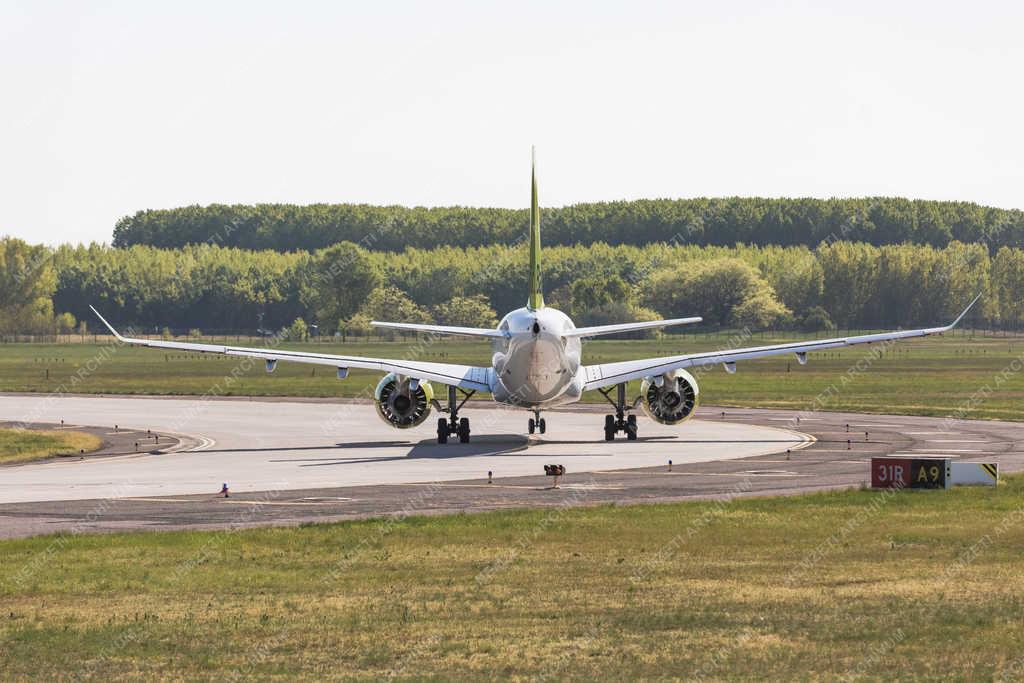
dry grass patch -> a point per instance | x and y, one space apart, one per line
24 445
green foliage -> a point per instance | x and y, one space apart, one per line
358 325
206 286
817 318
390 304
1008 285
298 330
466 311
225 289
65 323
723 291
27 281
702 221
342 278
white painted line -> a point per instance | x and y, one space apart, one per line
955 441
205 443
162 500
754 473
833 450
272 502
954 450
925 433
875 425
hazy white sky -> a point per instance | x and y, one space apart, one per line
112 107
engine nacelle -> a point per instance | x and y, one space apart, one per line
674 401
399 404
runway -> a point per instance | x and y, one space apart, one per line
291 461
289 445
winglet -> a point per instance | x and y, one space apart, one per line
961 316
109 326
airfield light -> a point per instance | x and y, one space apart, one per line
556 471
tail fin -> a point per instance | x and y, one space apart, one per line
536 299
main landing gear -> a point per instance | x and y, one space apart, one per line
537 423
453 425
619 422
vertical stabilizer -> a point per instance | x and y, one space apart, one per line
536 299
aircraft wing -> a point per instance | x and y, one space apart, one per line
440 329
608 374
463 376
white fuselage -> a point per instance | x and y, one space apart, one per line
536 364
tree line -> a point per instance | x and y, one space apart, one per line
701 221
343 287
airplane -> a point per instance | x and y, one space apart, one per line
536 364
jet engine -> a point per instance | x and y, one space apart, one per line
670 398
403 402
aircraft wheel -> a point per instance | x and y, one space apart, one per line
542 426
609 428
442 430
631 428
464 430
531 425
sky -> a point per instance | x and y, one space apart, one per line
108 108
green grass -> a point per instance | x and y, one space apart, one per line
24 445
933 376
915 585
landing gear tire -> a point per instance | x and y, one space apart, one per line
453 425
631 429
542 425
619 422
531 425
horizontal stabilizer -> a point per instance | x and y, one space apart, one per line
439 329
629 327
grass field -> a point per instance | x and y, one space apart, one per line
914 585
964 374
24 445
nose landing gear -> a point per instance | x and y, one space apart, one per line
619 422
453 425
537 423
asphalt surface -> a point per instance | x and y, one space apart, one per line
717 456
285 445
